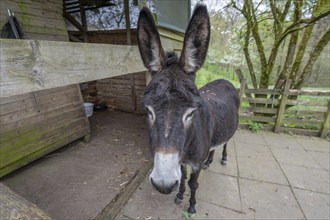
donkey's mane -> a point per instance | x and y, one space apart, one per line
171 85
171 58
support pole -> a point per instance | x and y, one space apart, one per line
281 109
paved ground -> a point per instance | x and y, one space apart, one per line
268 176
79 180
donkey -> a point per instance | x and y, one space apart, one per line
185 124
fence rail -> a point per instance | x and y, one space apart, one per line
297 111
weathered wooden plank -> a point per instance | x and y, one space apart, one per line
17 106
300 131
283 104
47 36
325 128
257 118
242 90
15 98
10 154
40 97
313 103
263 91
40 117
37 109
28 66
259 110
260 100
14 206
63 114
304 122
66 138
310 92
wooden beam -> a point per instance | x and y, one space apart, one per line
281 109
128 23
83 19
14 206
326 124
32 65
74 22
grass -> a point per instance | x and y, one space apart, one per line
210 72
255 127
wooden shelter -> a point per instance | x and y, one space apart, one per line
41 105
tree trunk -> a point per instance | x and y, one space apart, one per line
312 59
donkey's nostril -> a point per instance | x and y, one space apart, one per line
163 188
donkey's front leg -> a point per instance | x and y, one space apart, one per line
193 185
224 155
179 197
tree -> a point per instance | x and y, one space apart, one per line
292 19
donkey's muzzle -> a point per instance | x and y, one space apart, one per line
164 188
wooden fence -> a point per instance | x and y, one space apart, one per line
295 111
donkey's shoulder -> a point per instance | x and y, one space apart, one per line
221 91
219 85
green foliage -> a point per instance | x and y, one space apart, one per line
187 215
210 72
255 127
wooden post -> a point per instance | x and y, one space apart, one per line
281 109
13 206
83 19
326 124
241 78
242 90
128 23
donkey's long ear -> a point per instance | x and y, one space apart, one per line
151 50
196 40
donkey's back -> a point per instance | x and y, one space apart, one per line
223 101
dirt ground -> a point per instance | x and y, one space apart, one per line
80 179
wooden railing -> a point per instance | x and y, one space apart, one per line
295 111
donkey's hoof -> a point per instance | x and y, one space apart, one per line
205 166
223 162
191 210
178 199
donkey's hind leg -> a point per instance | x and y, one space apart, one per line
179 197
224 155
209 160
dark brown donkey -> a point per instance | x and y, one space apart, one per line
185 124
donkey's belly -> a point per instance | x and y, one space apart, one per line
217 146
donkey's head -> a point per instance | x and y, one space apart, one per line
172 98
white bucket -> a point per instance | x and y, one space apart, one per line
88 106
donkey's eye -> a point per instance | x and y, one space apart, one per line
151 114
188 115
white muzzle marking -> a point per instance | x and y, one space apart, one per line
166 170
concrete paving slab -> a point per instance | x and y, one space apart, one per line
322 158
261 170
281 140
315 144
269 201
219 189
147 203
314 205
257 163
246 136
296 157
257 152
207 210
231 167
307 178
